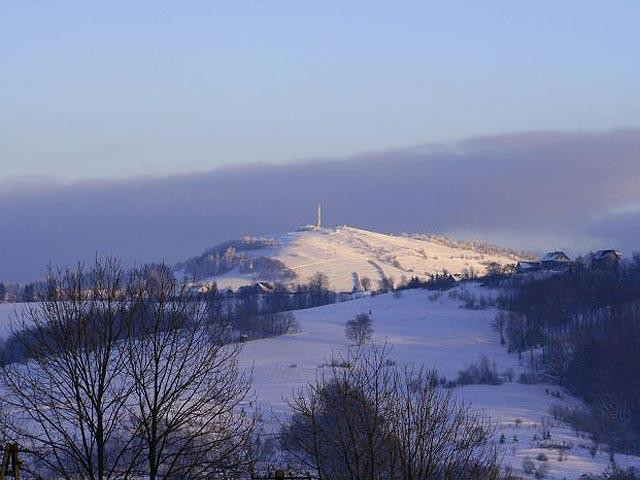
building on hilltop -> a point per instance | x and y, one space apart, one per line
317 225
319 217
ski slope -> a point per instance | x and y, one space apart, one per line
434 332
339 252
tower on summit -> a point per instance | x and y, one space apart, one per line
319 217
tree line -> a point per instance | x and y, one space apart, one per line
581 329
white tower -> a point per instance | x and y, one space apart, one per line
319 217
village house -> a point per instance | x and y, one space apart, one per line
605 259
527 267
556 260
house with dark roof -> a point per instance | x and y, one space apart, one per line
556 260
605 259
527 267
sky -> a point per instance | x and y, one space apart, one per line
152 130
119 89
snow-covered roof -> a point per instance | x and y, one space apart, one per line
525 264
600 254
556 256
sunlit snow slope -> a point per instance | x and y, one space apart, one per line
339 252
428 329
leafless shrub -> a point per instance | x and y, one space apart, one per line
359 329
528 466
379 421
266 325
483 372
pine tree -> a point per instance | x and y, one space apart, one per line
3 292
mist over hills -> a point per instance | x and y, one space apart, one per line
536 191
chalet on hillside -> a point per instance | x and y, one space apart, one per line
555 261
605 259
257 288
527 267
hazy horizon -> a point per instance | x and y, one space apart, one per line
535 191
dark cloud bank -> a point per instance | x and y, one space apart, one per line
535 191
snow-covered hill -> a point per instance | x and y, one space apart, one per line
341 251
423 328
430 329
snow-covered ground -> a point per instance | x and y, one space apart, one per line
434 332
423 328
8 315
339 252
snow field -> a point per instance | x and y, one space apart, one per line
436 333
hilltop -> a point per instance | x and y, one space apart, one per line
339 252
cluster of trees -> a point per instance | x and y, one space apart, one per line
615 472
266 267
361 283
581 329
126 376
372 419
438 281
19 293
226 256
481 248
483 372
265 325
255 300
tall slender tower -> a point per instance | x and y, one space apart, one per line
319 217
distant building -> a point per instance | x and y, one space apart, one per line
257 288
318 224
555 261
605 259
527 267
264 287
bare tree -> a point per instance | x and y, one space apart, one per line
127 376
366 283
499 322
437 436
188 390
359 329
319 289
386 283
69 397
374 420
339 427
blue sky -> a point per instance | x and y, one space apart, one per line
121 88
